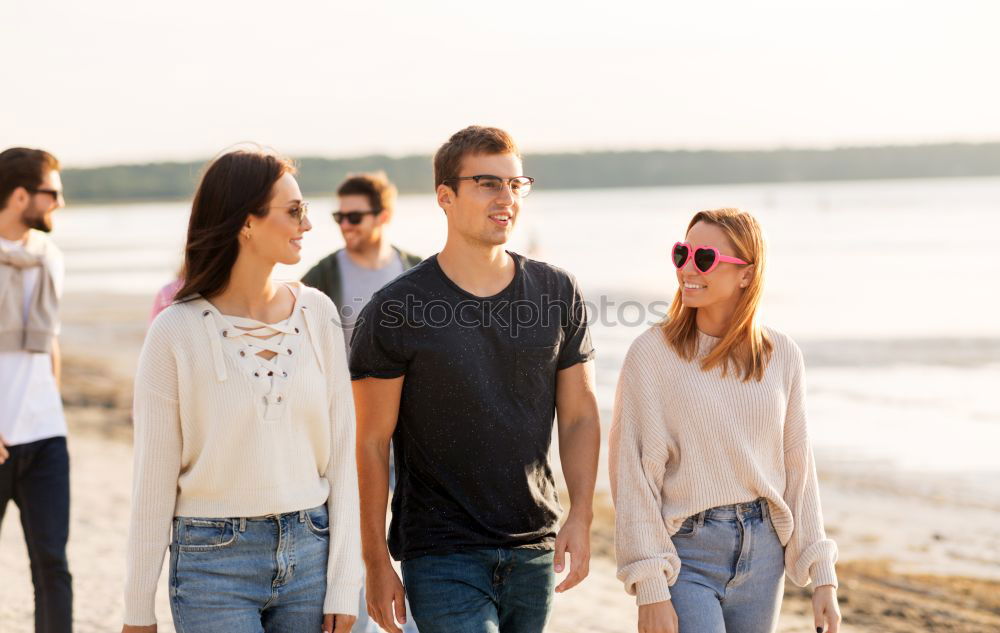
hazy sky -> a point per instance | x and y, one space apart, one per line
102 81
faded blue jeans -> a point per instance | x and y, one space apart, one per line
481 590
732 571
250 575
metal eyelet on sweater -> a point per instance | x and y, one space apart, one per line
284 374
289 352
270 373
243 353
206 313
296 330
256 375
279 399
225 333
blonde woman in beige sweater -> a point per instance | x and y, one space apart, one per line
244 427
711 467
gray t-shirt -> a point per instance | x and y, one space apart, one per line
358 286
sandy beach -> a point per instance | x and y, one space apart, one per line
917 553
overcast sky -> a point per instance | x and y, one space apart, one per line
107 81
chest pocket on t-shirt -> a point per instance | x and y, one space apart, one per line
535 371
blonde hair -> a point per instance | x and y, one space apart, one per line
744 346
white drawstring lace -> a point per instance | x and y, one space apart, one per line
246 339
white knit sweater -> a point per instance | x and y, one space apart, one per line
684 440
221 433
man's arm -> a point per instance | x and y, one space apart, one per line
376 402
56 361
579 448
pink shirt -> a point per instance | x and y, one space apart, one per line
165 297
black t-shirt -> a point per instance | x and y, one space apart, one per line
476 413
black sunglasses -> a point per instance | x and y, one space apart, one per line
55 193
353 217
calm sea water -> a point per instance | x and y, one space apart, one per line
891 288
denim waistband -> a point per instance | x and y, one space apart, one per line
299 515
748 510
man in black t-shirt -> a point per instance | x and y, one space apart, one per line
463 362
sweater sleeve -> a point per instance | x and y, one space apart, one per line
344 567
809 554
647 560
157 459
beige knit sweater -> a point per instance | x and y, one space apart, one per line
218 433
684 440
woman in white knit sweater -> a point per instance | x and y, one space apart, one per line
711 467
244 427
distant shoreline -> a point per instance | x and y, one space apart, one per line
92 202
175 181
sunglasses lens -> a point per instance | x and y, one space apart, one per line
354 217
680 255
704 259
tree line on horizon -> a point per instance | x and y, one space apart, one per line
583 170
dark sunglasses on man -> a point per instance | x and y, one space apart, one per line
353 217
55 193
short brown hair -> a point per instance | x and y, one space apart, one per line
375 185
23 167
473 140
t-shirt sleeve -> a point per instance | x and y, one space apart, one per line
576 346
376 344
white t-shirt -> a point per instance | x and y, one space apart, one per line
30 404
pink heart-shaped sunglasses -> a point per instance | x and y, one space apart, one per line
706 258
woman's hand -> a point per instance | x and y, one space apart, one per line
826 611
128 628
338 623
658 617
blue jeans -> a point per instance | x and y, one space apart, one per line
732 571
481 590
250 575
36 478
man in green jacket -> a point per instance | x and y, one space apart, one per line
368 261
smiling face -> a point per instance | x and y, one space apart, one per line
478 216
359 237
721 286
277 237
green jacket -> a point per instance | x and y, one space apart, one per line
325 275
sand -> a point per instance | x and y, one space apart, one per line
917 553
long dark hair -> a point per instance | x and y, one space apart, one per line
235 186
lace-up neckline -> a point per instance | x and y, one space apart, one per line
243 339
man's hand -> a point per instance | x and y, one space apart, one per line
338 623
573 538
4 453
658 617
386 597
128 628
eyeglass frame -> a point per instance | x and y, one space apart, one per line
507 182
304 205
